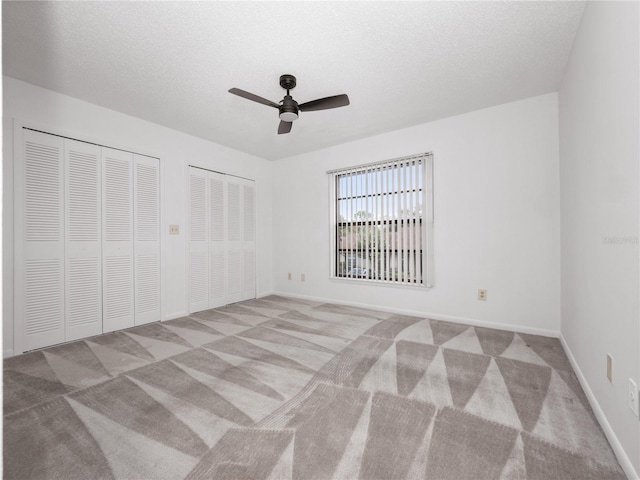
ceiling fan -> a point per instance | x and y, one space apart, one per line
288 107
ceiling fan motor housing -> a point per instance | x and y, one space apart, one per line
288 109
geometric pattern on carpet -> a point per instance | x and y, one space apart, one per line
285 388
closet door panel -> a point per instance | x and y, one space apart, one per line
198 243
39 241
248 240
117 244
234 240
83 261
147 239
217 240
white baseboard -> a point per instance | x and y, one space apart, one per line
435 316
621 455
265 294
171 316
7 353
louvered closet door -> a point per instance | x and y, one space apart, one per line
117 239
83 262
198 243
39 269
147 239
234 240
249 240
217 240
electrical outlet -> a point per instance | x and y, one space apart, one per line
633 396
174 229
289 276
609 368
302 277
482 294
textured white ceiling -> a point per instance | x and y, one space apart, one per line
400 63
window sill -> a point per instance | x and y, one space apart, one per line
379 283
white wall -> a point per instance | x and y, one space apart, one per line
599 155
86 121
496 217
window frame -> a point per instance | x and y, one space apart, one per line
426 222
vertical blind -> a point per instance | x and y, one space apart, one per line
383 218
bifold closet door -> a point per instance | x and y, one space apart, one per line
39 240
117 239
147 238
87 240
221 239
83 260
241 241
198 243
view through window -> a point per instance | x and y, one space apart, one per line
381 219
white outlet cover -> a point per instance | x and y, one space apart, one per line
633 396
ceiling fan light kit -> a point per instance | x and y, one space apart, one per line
288 107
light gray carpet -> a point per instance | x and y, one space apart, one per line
280 388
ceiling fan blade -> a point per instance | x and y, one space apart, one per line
255 98
325 103
284 127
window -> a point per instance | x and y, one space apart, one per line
383 221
